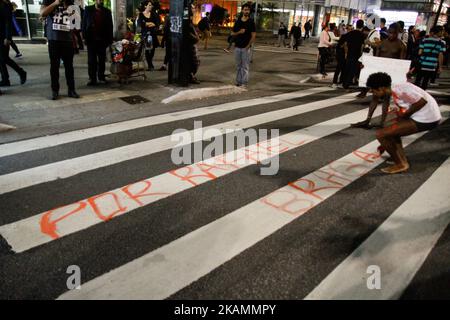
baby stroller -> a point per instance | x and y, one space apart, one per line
123 54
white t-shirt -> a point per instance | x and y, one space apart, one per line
406 94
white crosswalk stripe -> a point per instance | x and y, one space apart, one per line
185 259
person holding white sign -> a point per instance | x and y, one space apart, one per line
417 111
391 47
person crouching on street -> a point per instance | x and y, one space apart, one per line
60 46
417 111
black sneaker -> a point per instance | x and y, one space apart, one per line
5 83
73 94
194 81
23 77
92 83
55 95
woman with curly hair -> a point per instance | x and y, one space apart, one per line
149 22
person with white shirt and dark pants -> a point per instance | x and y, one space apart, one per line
324 44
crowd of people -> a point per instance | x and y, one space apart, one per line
345 44
427 52
68 27
416 109
294 35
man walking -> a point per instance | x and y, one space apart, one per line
98 33
308 27
282 34
5 42
296 34
204 26
244 31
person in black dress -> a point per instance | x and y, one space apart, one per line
149 22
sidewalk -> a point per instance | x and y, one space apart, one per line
28 109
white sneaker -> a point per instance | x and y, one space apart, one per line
433 85
334 86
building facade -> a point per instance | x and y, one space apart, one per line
423 13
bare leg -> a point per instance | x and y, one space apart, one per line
389 138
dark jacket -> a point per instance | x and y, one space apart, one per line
5 21
104 32
153 31
296 32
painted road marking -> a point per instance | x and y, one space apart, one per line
70 167
398 247
51 225
67 137
168 269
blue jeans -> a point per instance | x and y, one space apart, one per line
242 57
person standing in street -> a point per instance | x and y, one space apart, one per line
411 42
244 31
342 28
383 29
282 35
369 49
5 42
296 34
191 49
324 45
392 48
77 18
308 27
431 53
338 77
354 41
60 44
166 43
98 33
402 34
18 30
149 22
204 26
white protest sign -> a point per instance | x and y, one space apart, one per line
396 68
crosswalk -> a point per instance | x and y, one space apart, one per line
141 227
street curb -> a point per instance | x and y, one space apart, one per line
5 127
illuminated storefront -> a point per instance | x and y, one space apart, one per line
28 12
